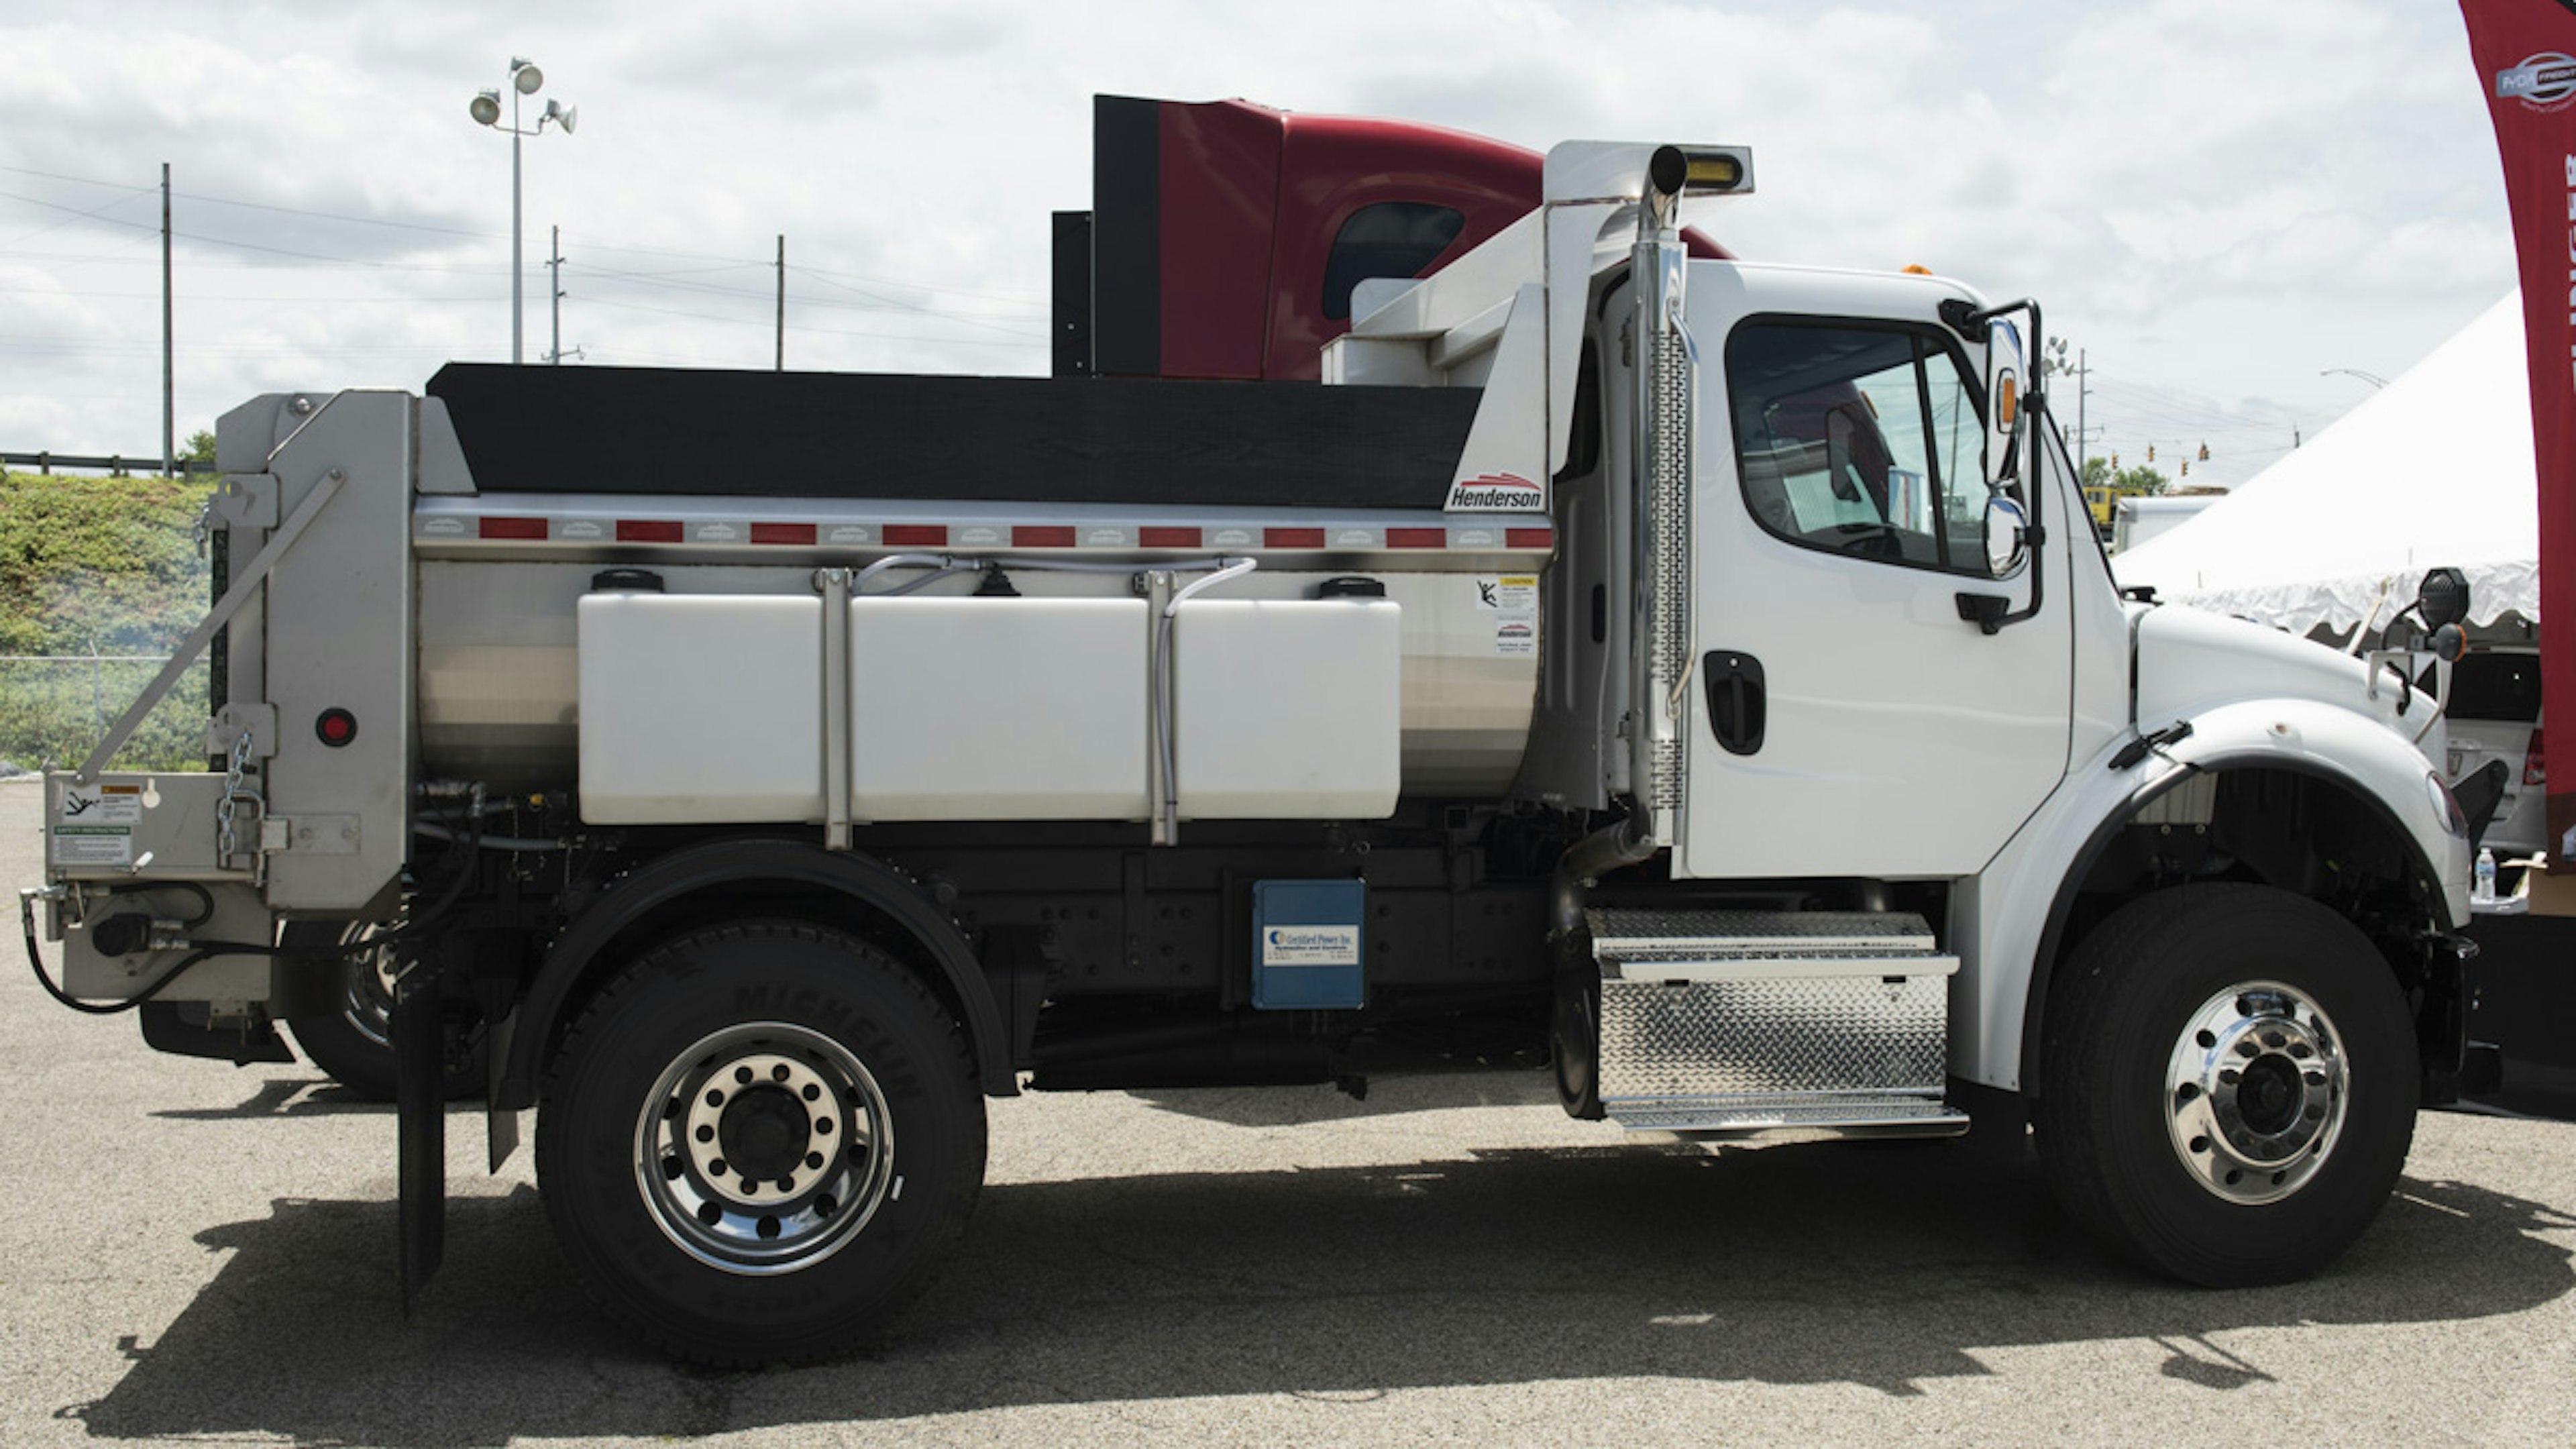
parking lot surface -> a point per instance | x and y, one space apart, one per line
201 1253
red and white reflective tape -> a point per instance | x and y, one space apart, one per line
455 527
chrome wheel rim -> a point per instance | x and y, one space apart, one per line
367 993
763 1148
2255 1092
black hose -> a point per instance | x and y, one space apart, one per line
36 963
205 898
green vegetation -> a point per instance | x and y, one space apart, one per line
2098 473
91 566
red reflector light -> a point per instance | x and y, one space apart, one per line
647 530
1292 538
1167 537
514 528
335 727
1417 538
2535 765
1529 538
1032 535
916 535
782 533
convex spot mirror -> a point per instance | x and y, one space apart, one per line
2004 373
2443 598
2007 537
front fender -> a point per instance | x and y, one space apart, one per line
2016 910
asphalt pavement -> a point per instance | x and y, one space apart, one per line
206 1254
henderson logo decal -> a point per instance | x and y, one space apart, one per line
2543 82
1495 493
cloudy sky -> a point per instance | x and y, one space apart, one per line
2220 202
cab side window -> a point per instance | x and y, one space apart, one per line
1388 239
1859 439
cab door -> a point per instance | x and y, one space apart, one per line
1846 719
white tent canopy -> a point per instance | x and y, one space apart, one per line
2435 469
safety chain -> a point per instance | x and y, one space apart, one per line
234 793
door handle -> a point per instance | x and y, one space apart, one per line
1737 703
1986 611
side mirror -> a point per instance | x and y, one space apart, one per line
2004 373
2443 598
2007 537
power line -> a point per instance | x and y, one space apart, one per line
722 263
764 322
714 290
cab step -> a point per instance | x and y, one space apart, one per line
1736 1022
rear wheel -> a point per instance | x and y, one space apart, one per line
354 1043
759 1141
2228 1086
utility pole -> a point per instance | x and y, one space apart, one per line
782 302
2083 390
554 288
169 390
518 282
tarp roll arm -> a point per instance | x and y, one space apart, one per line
189 648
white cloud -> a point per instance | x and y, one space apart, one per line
2216 200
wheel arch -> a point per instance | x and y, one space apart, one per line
2094 884
708 881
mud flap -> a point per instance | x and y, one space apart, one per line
182 1028
2522 994
420 1110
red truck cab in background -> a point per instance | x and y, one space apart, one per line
1226 237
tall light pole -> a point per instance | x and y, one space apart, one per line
525 80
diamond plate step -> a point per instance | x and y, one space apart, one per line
1735 1021
1891 1116
1648 935
1762 945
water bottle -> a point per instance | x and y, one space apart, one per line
2483 890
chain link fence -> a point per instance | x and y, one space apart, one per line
55 707
100 578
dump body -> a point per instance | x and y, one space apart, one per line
1080 483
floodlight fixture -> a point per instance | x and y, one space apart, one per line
525 80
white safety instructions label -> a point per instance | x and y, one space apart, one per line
93 845
102 805
1510 601
94 825
1310 946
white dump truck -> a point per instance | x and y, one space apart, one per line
1692 678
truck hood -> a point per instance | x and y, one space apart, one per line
2188 662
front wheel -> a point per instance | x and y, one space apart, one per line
758 1142
2228 1085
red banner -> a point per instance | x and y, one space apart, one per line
2525 52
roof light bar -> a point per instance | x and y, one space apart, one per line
1700 171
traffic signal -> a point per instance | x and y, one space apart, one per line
2115 462
2204 452
2186 467
2151 452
